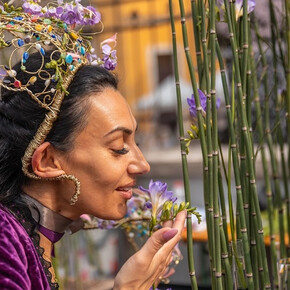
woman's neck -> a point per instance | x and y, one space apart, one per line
46 217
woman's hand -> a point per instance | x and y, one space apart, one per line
146 266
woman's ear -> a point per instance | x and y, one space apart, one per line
45 162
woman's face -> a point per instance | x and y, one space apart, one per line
105 157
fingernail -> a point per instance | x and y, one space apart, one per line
170 234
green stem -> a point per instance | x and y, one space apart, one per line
216 209
249 153
287 101
268 190
183 154
236 167
195 22
275 172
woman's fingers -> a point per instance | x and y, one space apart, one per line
179 220
167 224
157 240
168 236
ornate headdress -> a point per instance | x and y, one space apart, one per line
35 29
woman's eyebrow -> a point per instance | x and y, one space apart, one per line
122 129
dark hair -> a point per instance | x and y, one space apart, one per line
20 117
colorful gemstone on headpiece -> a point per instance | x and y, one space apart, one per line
68 59
27 38
25 55
50 32
20 42
17 84
12 73
32 80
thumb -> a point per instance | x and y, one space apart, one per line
157 240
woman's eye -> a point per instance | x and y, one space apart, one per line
121 152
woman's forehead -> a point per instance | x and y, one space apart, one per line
109 110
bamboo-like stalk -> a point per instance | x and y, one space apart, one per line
223 204
183 154
280 137
268 190
275 172
245 45
195 22
216 209
205 153
225 257
274 26
244 235
249 153
287 101
208 196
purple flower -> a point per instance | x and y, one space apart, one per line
90 16
192 105
106 224
91 57
136 207
54 12
32 8
3 73
110 61
71 14
239 6
158 195
110 56
202 98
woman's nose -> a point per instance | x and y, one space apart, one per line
139 164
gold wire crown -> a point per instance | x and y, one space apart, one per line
36 29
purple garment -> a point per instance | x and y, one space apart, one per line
20 266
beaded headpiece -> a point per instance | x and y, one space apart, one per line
35 29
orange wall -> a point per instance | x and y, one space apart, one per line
140 38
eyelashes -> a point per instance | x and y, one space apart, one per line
121 152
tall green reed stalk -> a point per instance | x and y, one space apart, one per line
249 139
183 154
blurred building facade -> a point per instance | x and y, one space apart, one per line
145 62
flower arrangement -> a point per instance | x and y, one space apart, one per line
247 105
147 210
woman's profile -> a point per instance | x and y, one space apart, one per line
67 148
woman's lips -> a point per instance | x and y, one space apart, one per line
125 192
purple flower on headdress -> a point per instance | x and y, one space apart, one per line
54 12
32 8
158 195
92 58
202 98
110 56
90 16
110 61
3 73
71 14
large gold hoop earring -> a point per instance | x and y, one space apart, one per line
77 183
70 177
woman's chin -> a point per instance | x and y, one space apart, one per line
116 215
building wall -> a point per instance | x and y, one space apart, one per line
144 32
